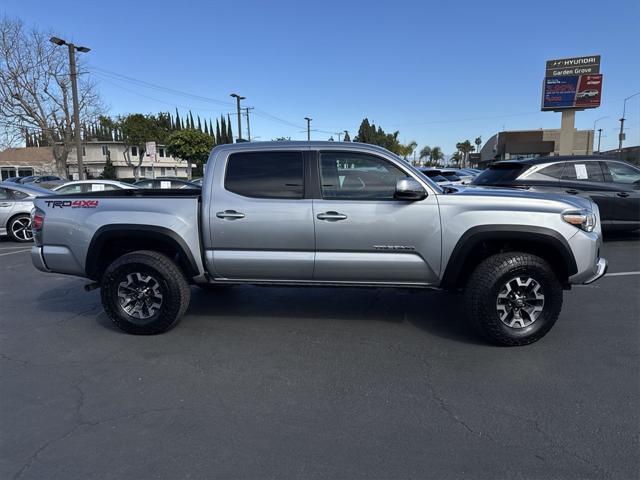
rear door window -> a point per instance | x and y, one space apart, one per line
583 171
266 174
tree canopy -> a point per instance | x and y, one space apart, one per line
369 133
191 145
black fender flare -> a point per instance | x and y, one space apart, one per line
112 232
473 237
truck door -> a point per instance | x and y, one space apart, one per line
364 234
261 222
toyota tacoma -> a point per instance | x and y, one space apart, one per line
323 214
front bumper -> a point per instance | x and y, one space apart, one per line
601 268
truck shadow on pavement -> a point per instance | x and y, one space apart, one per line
436 313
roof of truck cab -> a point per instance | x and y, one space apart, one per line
301 145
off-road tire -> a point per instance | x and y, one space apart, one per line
16 222
173 287
487 281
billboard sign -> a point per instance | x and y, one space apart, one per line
571 91
573 66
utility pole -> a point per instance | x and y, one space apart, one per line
339 135
308 128
74 93
238 98
246 109
599 136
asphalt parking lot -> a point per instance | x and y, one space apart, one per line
316 383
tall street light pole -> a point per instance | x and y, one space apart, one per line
308 128
621 135
599 136
238 98
74 93
595 122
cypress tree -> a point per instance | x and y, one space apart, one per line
178 121
229 131
218 136
191 123
199 124
223 129
211 131
206 127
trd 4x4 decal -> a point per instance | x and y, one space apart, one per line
71 203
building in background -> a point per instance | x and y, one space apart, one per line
18 162
628 154
533 143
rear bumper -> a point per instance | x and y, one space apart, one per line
601 268
38 260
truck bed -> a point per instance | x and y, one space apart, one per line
74 223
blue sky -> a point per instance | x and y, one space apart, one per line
439 72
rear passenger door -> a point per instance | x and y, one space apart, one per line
363 233
261 222
586 177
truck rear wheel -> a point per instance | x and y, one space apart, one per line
144 292
513 298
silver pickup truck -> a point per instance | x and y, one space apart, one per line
323 214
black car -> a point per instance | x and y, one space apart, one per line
612 184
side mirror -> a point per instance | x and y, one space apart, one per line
409 189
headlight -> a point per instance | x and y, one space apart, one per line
584 219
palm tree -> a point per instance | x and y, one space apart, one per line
425 152
456 157
478 142
407 150
464 148
436 155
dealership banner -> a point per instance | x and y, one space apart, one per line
571 91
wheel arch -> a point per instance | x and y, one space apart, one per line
479 242
112 241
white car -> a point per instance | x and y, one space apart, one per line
16 202
587 94
87 186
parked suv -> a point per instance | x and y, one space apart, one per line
323 214
612 184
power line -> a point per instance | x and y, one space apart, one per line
143 83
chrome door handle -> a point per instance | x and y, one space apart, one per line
572 191
622 194
5 204
230 214
331 216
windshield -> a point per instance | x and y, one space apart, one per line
500 174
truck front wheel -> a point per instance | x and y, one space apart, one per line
513 298
144 292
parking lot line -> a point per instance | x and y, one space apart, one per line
620 274
11 253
